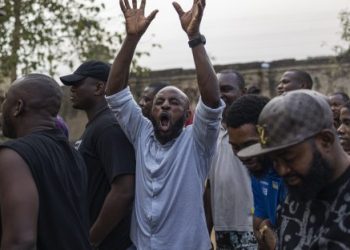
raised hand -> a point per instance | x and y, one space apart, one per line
135 20
191 20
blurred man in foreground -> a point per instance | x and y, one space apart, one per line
296 130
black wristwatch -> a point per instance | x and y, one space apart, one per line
197 41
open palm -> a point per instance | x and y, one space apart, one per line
135 20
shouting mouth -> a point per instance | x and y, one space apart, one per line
164 121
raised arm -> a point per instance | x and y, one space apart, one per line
136 24
206 77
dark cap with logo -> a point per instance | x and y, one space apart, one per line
95 69
290 119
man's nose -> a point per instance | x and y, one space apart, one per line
281 168
340 130
165 105
280 86
142 102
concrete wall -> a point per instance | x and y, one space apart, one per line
326 72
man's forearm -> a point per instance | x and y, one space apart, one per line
113 211
207 81
136 24
116 205
120 70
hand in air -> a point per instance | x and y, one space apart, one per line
191 20
135 20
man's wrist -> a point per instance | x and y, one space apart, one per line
133 38
194 35
199 39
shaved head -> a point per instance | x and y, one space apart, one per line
32 101
174 89
40 93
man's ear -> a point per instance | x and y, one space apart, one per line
100 88
19 108
325 140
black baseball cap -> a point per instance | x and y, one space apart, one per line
95 69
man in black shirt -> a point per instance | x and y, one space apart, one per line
296 130
43 180
109 156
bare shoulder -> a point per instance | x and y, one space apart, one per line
15 175
11 161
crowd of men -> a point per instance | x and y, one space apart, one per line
260 173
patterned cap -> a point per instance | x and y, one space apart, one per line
290 119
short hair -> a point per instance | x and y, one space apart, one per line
245 110
303 77
343 95
240 78
41 93
156 86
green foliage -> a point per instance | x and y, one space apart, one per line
342 52
344 17
345 21
39 35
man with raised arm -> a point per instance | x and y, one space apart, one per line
172 162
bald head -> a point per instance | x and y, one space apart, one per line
32 102
40 93
174 90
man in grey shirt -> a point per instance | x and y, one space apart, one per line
172 162
228 194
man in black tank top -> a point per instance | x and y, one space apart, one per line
43 180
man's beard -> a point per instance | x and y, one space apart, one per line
316 179
175 130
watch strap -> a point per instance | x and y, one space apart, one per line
197 41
